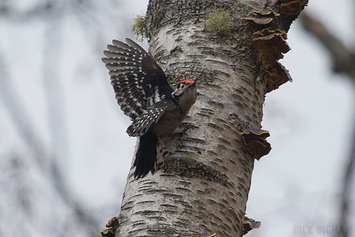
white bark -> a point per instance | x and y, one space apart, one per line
206 181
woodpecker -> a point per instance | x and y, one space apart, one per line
144 94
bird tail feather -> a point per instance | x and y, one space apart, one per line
146 155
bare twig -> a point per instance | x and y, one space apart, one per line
343 58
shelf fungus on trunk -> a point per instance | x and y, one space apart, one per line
270 43
111 226
292 7
255 141
270 39
261 17
276 76
250 224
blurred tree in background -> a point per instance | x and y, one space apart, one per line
343 60
37 198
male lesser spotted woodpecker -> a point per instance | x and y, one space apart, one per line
143 93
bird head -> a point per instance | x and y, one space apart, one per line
183 87
185 93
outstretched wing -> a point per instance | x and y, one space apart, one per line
137 79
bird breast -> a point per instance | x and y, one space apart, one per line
169 121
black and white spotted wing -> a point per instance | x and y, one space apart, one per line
142 123
137 79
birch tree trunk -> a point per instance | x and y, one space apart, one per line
206 180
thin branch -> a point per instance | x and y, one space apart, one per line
343 58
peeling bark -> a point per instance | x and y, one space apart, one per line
206 180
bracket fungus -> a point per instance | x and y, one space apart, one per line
267 31
276 76
111 226
249 224
255 141
292 7
259 20
270 13
261 17
270 45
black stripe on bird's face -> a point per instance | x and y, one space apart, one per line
182 88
